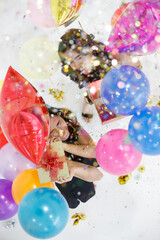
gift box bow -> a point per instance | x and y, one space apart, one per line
51 162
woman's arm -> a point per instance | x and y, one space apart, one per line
84 138
87 151
82 171
125 59
85 148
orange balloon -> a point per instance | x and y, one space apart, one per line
25 182
3 140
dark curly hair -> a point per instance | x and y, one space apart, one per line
71 120
79 41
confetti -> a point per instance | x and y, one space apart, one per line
57 94
124 179
141 169
76 222
137 23
78 216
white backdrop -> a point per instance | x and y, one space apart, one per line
122 212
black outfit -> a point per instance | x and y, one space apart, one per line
77 189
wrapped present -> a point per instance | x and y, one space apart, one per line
53 164
94 92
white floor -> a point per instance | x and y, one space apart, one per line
118 212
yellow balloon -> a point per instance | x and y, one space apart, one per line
1 83
39 58
25 182
64 10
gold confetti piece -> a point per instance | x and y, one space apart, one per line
66 68
158 104
121 181
102 75
76 215
149 103
76 222
124 179
141 169
82 216
57 94
79 48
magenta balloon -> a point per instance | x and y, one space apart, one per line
138 29
12 162
115 153
8 207
40 13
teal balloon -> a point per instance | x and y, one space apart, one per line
125 90
43 213
144 131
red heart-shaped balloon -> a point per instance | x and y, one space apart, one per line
24 116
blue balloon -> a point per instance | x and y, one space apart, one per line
43 213
125 90
144 131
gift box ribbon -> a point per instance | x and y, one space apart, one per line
51 163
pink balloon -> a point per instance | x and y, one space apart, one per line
40 13
12 162
115 153
137 30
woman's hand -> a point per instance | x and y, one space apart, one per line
65 146
71 174
53 139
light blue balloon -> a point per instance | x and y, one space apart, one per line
144 131
125 90
43 213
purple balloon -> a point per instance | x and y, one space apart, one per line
8 207
12 162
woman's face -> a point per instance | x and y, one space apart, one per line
58 128
83 63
